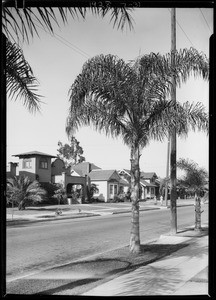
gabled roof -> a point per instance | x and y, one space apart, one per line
124 182
147 175
144 175
33 153
103 175
145 183
83 168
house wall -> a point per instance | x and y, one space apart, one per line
58 167
31 171
44 174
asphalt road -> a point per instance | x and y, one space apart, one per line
38 246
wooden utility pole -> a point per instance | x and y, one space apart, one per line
173 195
167 171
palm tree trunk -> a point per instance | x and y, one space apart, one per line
135 193
197 213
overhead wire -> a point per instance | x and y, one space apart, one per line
65 42
205 20
182 29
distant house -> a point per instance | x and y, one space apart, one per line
39 166
148 181
108 182
36 165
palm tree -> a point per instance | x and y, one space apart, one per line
130 100
20 80
195 181
23 191
20 23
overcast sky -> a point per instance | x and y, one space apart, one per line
56 61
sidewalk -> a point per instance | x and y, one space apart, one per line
47 213
185 272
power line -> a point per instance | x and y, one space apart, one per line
182 29
205 20
66 43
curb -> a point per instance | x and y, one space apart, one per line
54 218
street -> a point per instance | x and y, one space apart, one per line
38 246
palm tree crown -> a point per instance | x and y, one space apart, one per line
22 191
131 100
195 178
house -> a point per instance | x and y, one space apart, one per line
108 183
39 166
148 181
36 165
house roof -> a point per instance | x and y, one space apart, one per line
100 174
144 175
124 182
83 168
33 153
145 183
147 175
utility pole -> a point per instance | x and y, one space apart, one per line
173 194
167 171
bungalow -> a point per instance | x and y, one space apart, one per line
149 185
108 183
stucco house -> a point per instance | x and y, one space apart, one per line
47 168
108 182
149 185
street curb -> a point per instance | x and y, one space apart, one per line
54 218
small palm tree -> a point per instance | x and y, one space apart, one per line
23 191
60 193
130 100
194 181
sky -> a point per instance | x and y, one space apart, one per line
57 60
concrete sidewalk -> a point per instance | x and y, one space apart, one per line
184 272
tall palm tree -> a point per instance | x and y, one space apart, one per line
130 100
194 180
23 191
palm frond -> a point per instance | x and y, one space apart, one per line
20 23
195 177
130 100
20 80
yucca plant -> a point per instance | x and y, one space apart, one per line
22 191
130 100
194 180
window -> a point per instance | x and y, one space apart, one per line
27 163
152 191
113 189
43 163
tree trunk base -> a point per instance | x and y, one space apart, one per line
135 248
198 229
